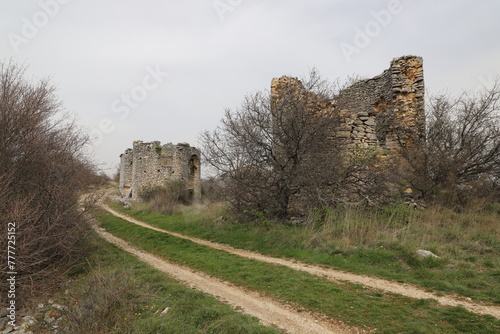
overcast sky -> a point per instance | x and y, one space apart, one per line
166 70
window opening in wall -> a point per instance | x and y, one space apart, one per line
194 164
382 121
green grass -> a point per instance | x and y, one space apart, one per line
116 293
354 304
381 245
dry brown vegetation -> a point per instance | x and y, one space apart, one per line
262 151
459 163
42 174
165 199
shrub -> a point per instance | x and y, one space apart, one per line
460 160
42 174
212 190
101 301
165 199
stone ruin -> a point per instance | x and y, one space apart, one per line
374 112
151 164
381 114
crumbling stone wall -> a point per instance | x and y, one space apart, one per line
126 167
152 164
387 110
377 115
383 111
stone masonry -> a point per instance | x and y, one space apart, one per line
380 115
383 111
387 110
152 164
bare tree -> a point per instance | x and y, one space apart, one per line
274 148
461 155
42 173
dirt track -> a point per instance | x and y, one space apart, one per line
335 275
267 310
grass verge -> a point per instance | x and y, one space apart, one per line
354 304
116 293
381 243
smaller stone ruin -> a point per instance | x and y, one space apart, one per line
147 165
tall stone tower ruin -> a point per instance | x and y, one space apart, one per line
384 111
378 117
152 164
